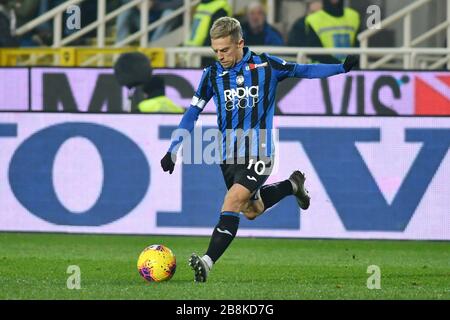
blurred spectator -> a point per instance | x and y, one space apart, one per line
128 22
7 24
155 98
89 14
297 35
27 10
332 27
166 7
45 30
205 14
257 31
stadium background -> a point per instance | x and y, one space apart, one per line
374 144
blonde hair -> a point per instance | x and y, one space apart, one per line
226 26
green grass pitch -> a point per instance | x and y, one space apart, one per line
34 266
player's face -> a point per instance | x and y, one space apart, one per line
228 52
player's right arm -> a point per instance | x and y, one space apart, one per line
187 123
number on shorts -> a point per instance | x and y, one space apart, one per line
260 166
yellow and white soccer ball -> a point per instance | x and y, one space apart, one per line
157 263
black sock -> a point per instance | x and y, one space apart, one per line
273 193
220 240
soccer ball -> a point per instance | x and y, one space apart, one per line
157 263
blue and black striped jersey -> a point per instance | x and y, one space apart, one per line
244 96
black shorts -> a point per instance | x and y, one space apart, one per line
252 174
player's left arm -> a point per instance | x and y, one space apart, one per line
285 69
201 97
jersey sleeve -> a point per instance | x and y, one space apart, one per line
283 69
280 68
199 100
204 91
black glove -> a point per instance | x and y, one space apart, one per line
350 62
167 163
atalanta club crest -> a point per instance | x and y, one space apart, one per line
240 80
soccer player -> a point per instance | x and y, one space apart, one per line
243 85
